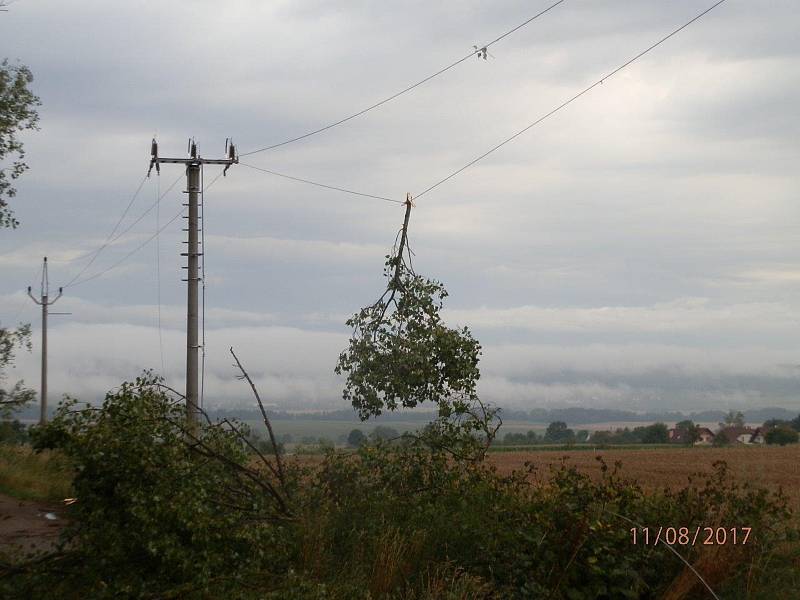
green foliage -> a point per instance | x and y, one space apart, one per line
262 445
11 340
656 433
733 419
17 113
619 436
392 513
521 439
720 441
13 432
384 433
690 430
558 432
406 356
29 475
159 507
355 438
401 354
781 435
163 513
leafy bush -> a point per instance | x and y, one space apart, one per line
162 512
563 536
782 435
355 438
159 507
657 433
13 432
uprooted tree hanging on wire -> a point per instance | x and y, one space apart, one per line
401 354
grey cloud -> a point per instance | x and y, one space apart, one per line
571 251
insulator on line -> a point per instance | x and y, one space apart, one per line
154 158
231 151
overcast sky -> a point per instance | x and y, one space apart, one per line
639 249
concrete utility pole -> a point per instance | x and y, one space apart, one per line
194 165
45 302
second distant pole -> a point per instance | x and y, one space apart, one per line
45 303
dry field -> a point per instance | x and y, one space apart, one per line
771 467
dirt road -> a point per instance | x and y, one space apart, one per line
27 525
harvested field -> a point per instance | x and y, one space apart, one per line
771 467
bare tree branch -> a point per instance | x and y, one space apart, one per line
275 448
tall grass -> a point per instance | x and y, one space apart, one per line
30 475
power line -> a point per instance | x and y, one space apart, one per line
322 185
110 235
129 254
572 99
139 247
115 238
159 197
477 51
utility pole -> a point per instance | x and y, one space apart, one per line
194 167
45 302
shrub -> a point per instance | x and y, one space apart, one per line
13 432
164 511
355 438
782 435
656 433
398 512
159 507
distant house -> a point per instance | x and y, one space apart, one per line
759 436
737 435
705 436
677 436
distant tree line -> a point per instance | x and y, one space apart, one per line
557 432
536 415
779 431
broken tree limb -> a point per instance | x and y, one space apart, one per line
403 238
275 448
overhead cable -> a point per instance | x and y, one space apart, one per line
97 252
322 185
567 102
139 247
478 51
114 239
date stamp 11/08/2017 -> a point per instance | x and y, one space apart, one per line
690 536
